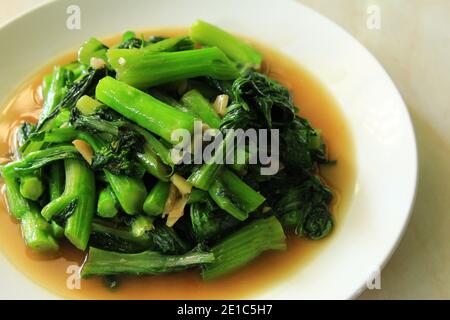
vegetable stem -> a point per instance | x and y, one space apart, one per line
245 245
100 262
143 109
236 49
142 69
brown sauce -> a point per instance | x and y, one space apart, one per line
315 103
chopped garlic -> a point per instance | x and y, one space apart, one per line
122 61
177 211
266 209
182 185
171 199
85 150
220 104
97 63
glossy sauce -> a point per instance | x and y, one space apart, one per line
49 271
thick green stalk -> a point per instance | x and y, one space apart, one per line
143 69
238 50
55 180
130 192
247 198
156 199
203 176
154 144
168 99
35 230
102 263
201 107
143 109
55 92
80 180
234 196
78 199
222 198
56 230
87 105
107 203
92 48
152 164
170 44
244 245
17 204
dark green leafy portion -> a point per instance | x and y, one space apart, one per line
209 222
119 155
263 97
84 86
24 132
302 145
167 240
304 207
111 237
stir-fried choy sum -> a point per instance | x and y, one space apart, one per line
97 166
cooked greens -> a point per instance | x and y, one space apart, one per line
98 166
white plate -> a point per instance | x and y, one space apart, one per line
383 134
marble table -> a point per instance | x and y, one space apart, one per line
411 38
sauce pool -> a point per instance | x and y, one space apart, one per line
50 271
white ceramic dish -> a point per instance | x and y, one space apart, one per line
384 139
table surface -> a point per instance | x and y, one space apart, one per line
411 39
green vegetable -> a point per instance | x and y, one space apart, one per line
156 199
77 203
102 262
118 238
234 48
130 192
208 221
35 230
257 98
92 48
55 92
141 225
167 240
302 145
202 177
31 187
143 109
55 180
195 102
245 245
304 207
107 203
141 68
179 43
38 159
37 233
87 105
